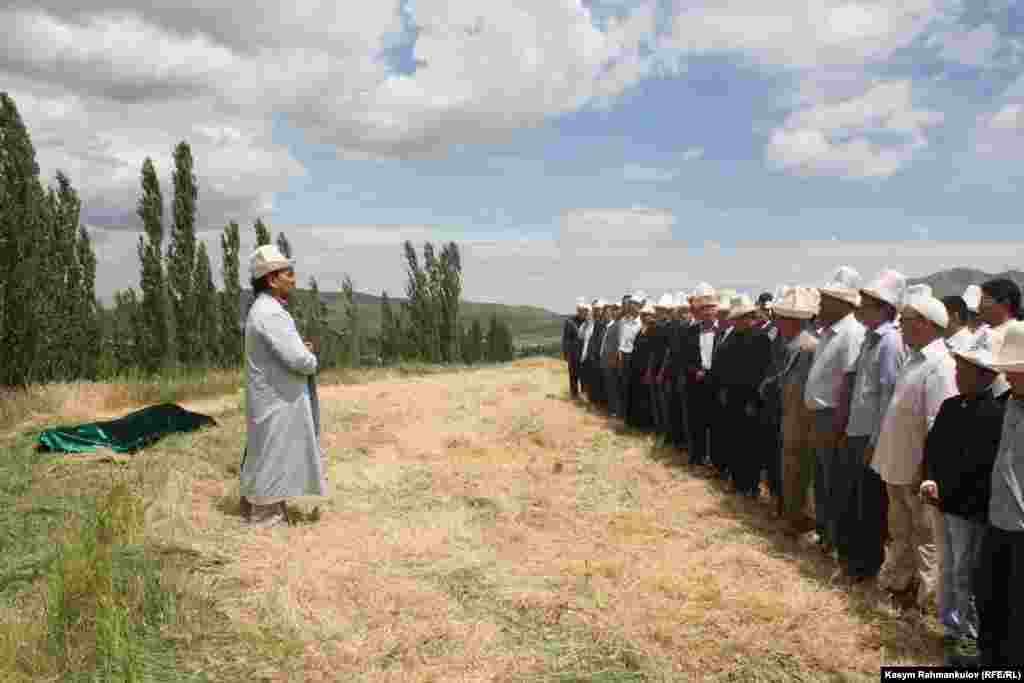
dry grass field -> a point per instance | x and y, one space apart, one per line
480 527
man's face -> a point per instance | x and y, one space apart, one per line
634 308
707 313
581 312
282 282
832 309
661 314
991 312
917 330
872 312
1016 380
970 378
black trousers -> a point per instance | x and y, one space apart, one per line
999 597
677 418
771 437
701 413
739 443
574 374
625 375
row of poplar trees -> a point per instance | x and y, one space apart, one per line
49 317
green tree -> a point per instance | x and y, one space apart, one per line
230 298
207 311
352 321
74 348
122 334
155 315
476 341
181 256
262 233
23 224
284 245
88 321
449 292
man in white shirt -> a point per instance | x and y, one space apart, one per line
828 389
999 306
629 327
928 378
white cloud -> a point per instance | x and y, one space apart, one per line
999 135
800 33
104 83
836 137
619 229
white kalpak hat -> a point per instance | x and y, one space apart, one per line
666 301
704 295
683 300
601 303
741 305
843 285
581 303
797 302
267 259
639 296
889 286
1010 356
972 297
919 298
725 298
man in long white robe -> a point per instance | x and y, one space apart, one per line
283 458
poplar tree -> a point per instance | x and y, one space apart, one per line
230 298
262 233
157 348
22 226
181 255
284 245
88 318
352 320
449 293
207 311
388 350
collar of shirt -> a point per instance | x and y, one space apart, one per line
709 326
283 302
888 327
935 349
846 322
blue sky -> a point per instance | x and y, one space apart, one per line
572 150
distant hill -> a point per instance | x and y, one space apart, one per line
955 280
529 324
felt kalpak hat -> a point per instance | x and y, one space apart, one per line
972 297
267 259
601 303
843 285
742 305
801 303
666 301
889 286
581 303
639 296
920 299
725 297
683 301
1010 356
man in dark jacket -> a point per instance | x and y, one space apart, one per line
572 346
592 354
743 363
698 347
958 457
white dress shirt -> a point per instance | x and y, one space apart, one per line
928 379
834 358
630 328
707 346
586 332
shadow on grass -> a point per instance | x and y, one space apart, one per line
904 634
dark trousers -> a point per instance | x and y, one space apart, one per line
574 374
722 431
677 417
771 437
861 527
999 595
701 412
625 376
739 443
596 382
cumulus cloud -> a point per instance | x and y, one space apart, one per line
104 83
800 33
619 229
999 135
971 46
870 135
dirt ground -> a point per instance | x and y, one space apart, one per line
482 527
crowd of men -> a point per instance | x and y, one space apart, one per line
885 424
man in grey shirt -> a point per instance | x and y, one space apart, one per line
1000 579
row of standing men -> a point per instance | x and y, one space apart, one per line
877 418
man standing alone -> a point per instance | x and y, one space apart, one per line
282 458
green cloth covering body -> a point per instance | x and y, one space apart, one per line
125 434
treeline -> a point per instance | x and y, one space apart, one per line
53 328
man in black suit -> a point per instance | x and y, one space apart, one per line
698 345
572 345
